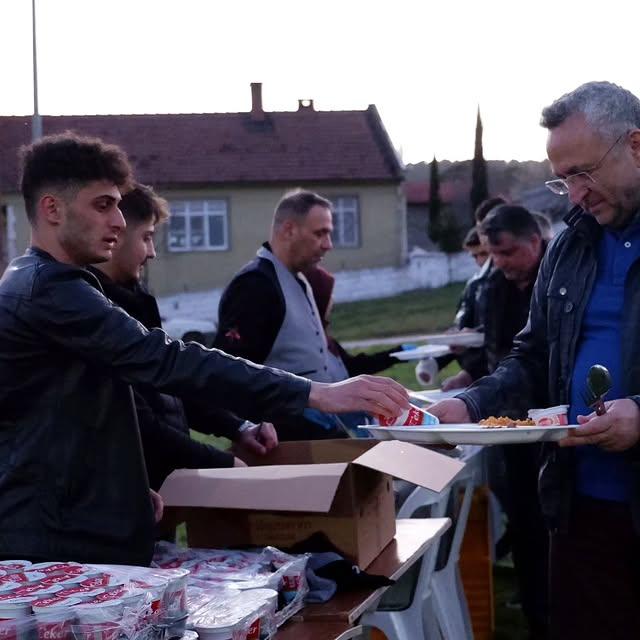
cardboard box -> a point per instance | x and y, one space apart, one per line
341 488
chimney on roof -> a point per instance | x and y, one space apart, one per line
257 113
305 105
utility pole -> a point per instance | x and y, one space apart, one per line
36 120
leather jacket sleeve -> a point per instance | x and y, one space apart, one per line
250 316
466 312
68 309
217 422
167 448
521 379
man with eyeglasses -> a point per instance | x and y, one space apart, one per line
585 310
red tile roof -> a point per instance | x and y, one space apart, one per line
221 148
418 192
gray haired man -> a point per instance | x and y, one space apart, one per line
585 310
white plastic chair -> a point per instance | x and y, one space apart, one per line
411 623
439 596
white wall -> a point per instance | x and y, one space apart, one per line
426 270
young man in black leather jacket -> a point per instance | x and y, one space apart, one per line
73 484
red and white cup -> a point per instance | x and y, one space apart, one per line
99 620
37 589
54 617
550 417
14 613
14 566
13 608
85 593
32 575
14 578
46 606
130 597
253 632
290 586
50 568
175 595
103 581
62 579
411 417
155 588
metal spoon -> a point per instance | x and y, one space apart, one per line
599 383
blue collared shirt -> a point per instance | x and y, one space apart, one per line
599 474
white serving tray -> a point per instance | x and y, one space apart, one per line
469 434
433 350
456 338
434 395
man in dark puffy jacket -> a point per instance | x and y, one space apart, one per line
163 421
585 310
73 484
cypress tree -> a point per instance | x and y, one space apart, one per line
434 223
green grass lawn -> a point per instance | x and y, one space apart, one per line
421 311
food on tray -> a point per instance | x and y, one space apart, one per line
503 422
551 416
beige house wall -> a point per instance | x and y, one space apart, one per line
382 234
382 225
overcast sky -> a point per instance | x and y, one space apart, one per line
426 65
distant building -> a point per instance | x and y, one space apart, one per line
223 173
417 195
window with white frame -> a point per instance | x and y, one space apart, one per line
198 225
346 221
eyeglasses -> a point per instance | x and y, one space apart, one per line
560 186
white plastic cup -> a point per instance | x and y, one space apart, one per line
54 617
99 620
155 588
411 417
37 590
13 615
552 416
427 371
14 566
18 607
57 567
78 591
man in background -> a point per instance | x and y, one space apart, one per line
164 424
268 313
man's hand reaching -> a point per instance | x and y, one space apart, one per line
374 394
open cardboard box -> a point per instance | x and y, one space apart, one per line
341 488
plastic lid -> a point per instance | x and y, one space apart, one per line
55 603
98 604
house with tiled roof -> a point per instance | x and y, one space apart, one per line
223 174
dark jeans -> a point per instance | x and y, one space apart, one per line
529 535
595 574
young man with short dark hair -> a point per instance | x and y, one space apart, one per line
164 424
